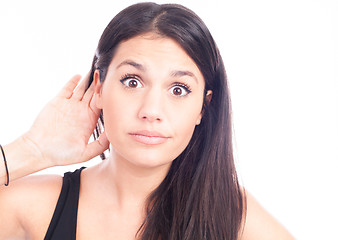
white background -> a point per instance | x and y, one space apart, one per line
281 58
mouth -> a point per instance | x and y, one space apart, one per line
149 137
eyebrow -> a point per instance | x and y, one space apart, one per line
182 74
132 63
175 73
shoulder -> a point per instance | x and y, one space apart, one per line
259 224
28 203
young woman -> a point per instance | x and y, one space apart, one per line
158 88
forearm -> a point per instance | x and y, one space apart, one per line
22 157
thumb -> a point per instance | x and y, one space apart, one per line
97 147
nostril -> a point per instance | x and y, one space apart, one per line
151 118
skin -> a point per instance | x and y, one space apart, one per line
157 67
149 120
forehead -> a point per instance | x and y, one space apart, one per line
154 51
150 44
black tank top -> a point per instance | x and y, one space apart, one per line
63 223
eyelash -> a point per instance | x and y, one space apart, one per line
126 77
185 86
175 84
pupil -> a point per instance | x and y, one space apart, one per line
177 91
132 83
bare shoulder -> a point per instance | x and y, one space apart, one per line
259 224
27 206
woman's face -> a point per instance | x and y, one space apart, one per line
151 99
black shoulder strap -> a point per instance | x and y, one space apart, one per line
63 223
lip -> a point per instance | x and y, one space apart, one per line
148 137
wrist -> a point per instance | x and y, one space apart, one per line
32 152
23 158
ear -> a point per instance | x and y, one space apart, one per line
98 89
207 100
208 97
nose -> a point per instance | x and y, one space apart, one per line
151 108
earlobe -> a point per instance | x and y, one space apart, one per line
199 120
98 88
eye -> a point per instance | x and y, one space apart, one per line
131 82
180 90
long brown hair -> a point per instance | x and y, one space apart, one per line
200 198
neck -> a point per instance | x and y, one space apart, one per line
130 184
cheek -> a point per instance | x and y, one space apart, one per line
183 137
113 112
184 126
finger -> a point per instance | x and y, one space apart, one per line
81 89
67 90
93 106
89 93
95 110
97 147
